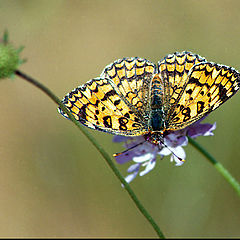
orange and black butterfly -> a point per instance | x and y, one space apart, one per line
135 97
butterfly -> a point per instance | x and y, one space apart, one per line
135 97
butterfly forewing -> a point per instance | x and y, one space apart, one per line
208 86
173 70
131 78
98 106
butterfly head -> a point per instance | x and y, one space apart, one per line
155 137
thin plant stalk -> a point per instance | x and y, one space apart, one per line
98 147
222 170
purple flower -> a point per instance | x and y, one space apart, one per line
143 154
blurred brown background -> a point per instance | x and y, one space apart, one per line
53 182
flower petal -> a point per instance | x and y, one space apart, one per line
151 164
125 157
178 156
177 161
134 168
130 177
118 138
165 151
179 151
203 129
143 158
175 139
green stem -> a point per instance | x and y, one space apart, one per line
98 147
221 169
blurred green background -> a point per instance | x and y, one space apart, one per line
53 182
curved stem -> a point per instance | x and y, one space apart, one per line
221 169
98 147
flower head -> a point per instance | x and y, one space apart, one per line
143 154
9 57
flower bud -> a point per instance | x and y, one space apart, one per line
9 60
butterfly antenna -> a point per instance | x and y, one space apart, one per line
117 154
180 159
